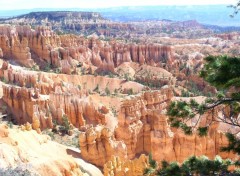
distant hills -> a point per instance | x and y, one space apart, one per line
61 15
210 15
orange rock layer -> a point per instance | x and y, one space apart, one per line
143 128
27 47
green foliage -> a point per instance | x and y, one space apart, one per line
236 8
106 73
51 134
234 144
148 80
152 166
194 89
180 112
47 68
111 75
170 169
75 141
66 123
185 93
107 91
57 70
65 127
152 162
127 77
222 72
10 124
152 84
196 166
114 111
35 67
148 171
137 41
115 91
182 66
130 91
4 80
202 131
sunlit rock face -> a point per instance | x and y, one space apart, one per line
118 167
98 145
103 88
27 149
41 46
144 128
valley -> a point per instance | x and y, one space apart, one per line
84 95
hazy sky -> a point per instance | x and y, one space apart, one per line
29 4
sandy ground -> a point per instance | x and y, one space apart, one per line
108 101
43 155
86 167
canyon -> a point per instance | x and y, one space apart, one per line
110 97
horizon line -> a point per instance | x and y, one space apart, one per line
180 5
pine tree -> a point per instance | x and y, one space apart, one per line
222 72
197 166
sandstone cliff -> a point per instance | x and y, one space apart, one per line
144 128
43 47
119 167
98 145
103 88
41 98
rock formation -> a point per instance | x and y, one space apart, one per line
13 47
144 128
41 98
119 167
27 107
115 93
98 145
137 118
42 46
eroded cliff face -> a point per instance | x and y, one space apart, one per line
13 47
141 122
98 145
144 128
41 98
43 47
141 127
117 115
71 54
118 167
27 105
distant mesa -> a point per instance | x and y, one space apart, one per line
61 15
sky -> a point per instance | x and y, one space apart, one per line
31 4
